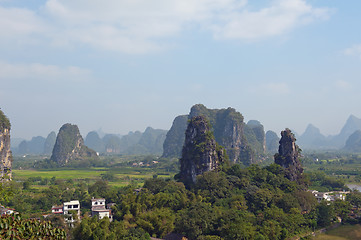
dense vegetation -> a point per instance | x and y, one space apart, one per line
4 121
235 203
14 227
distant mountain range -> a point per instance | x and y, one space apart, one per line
37 145
312 138
148 142
151 140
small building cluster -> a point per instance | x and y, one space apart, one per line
329 196
67 209
99 208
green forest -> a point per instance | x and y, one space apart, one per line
233 203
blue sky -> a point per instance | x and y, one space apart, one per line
123 65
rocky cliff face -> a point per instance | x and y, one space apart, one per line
200 151
5 153
259 134
240 141
69 146
288 156
173 143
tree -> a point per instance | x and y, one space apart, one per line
354 198
14 227
158 222
342 209
199 219
325 214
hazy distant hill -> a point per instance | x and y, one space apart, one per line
352 124
15 143
313 139
353 143
272 142
36 146
93 141
49 143
149 142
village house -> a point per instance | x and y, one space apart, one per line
329 196
99 209
57 209
67 209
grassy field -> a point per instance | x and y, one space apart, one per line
60 174
122 176
345 232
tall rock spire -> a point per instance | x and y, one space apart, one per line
69 146
288 156
200 151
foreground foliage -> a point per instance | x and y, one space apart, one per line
14 227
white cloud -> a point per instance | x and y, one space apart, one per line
15 22
353 51
141 26
40 72
276 88
281 17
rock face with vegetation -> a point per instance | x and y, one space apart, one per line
288 156
69 146
257 138
200 152
243 143
5 153
173 143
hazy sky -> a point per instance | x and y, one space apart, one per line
123 65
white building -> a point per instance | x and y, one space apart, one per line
71 206
99 209
68 208
329 196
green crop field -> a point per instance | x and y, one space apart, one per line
59 174
345 232
122 176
